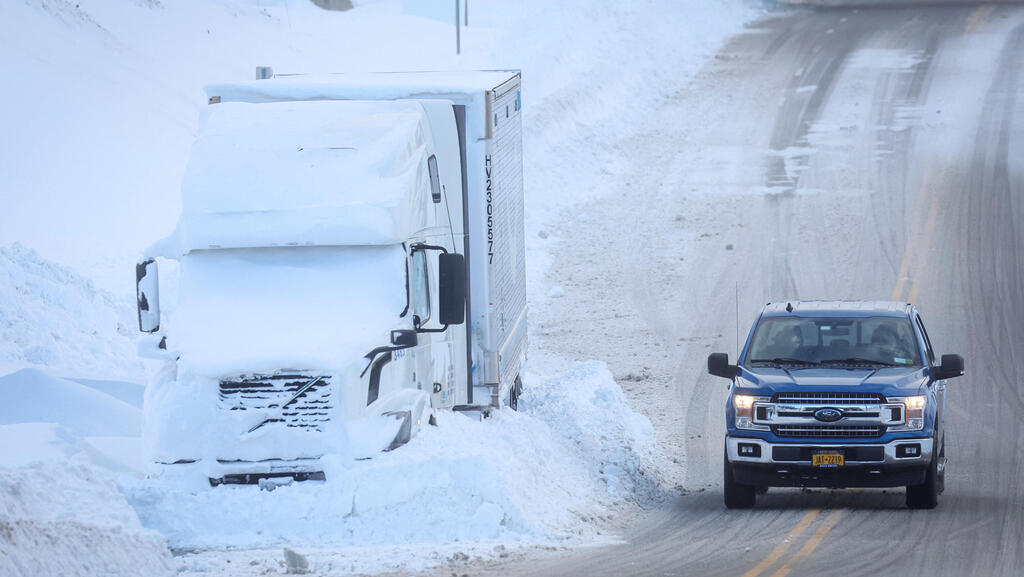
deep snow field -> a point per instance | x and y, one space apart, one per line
102 103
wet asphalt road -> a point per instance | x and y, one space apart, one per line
871 153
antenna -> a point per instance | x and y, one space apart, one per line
737 320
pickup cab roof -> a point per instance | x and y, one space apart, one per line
837 308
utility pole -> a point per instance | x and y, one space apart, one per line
458 39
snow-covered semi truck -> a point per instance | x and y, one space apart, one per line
349 259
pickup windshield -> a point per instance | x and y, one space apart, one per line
831 341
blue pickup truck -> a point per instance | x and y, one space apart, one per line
836 394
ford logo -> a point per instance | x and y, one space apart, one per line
828 415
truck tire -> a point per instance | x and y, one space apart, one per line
925 495
737 495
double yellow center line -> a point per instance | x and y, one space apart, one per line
805 551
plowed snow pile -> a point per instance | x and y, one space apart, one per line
60 509
51 316
516 477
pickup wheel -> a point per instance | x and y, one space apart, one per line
926 495
737 495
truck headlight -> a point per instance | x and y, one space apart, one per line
915 407
744 405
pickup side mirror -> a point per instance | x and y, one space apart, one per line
147 291
718 365
951 366
452 288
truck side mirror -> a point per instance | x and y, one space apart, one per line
950 366
147 291
452 288
718 365
404 338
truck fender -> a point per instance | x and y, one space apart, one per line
411 406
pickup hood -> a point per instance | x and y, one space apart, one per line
889 381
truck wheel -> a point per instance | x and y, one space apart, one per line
925 495
737 495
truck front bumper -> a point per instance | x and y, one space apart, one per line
893 464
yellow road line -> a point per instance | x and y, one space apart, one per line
811 544
915 255
781 549
922 195
901 277
929 230
978 17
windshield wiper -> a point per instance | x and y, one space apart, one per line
858 361
786 361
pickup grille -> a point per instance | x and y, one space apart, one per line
268 397
828 398
860 431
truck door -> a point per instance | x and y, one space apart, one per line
435 372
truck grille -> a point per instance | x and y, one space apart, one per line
828 398
861 431
277 399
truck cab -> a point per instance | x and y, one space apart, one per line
836 394
349 259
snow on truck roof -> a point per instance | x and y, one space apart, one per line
837 308
303 173
458 86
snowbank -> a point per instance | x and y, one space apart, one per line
32 396
62 514
575 450
50 316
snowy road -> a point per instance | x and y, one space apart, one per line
842 154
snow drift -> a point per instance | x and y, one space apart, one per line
520 478
61 512
51 316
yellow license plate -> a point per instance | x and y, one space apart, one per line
828 460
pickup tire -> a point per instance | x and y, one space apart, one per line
926 495
737 495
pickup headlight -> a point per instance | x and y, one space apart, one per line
744 405
915 407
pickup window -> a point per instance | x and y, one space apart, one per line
887 341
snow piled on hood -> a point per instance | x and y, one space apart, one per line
307 307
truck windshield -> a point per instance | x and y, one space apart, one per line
268 309
887 341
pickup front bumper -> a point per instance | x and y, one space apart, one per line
893 464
